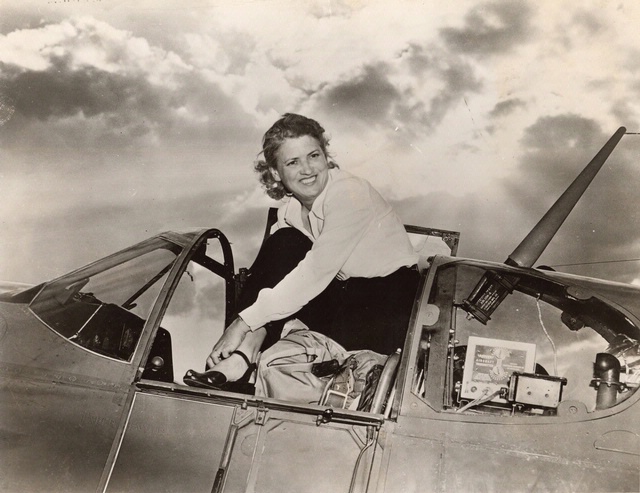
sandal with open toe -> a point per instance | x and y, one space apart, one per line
216 380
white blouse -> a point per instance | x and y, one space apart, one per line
355 233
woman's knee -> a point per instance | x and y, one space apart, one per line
280 254
289 243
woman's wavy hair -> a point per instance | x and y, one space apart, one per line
290 126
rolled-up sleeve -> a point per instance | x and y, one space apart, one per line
348 214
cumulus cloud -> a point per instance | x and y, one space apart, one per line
368 96
417 90
226 53
129 136
61 92
86 42
490 28
84 69
506 107
591 23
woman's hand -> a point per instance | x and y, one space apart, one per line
230 340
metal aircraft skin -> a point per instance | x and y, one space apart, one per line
511 379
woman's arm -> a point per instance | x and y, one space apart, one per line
229 341
348 214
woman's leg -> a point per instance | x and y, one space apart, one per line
374 313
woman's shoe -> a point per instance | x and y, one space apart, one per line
216 380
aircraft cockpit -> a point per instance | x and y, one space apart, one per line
494 341
487 344
491 340
502 342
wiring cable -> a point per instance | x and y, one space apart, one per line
555 351
480 400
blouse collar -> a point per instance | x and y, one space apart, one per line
293 208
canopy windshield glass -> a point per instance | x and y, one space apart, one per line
103 307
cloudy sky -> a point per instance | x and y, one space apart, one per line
119 120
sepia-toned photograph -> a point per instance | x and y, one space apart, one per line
355 246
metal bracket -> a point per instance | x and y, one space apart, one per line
261 415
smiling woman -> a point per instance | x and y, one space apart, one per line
338 260
303 169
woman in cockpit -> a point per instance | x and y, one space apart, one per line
338 259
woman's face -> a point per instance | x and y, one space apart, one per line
302 168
